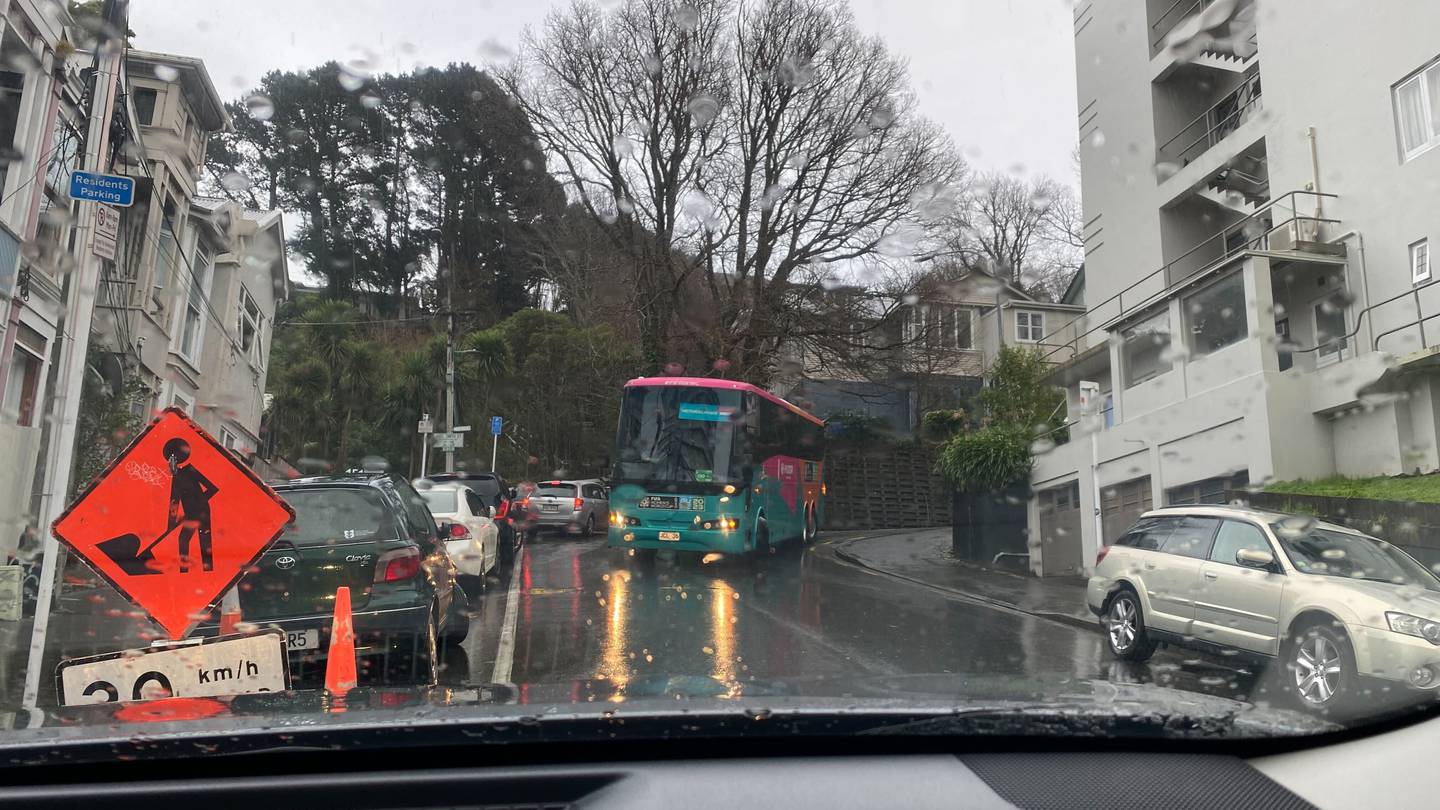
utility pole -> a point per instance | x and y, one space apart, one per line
82 288
450 370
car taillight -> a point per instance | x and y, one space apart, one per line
457 531
503 510
396 566
1100 555
579 504
524 503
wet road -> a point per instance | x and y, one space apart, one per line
591 623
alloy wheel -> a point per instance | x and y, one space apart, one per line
1317 668
1121 623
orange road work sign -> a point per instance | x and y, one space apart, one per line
174 522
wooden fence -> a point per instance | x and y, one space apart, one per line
885 487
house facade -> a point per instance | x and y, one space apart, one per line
1259 192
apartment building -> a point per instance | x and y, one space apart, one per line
191 305
941 340
1259 180
40 125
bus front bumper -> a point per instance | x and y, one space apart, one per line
724 542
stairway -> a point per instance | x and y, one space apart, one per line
1237 190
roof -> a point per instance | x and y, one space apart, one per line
729 385
338 478
1075 290
194 80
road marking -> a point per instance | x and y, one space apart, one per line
505 653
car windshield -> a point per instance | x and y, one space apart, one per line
1314 550
746 367
442 501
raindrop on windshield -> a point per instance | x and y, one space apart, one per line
703 109
260 107
165 73
686 17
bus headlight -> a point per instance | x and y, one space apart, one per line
616 519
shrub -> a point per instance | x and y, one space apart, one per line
988 460
941 425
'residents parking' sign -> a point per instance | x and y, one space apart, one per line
105 188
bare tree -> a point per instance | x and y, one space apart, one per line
1026 233
758 142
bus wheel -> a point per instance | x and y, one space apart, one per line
762 539
811 530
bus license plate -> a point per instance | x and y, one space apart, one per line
658 502
302 639
673 537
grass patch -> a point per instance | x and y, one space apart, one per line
1417 488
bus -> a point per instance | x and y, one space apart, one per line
711 465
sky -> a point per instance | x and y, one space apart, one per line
999 75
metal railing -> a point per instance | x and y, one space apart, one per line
1420 318
1253 232
1179 12
1222 118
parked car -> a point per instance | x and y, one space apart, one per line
374 534
579 507
496 492
1335 608
468 529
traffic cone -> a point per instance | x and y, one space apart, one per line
230 612
340 664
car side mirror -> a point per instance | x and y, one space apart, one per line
1255 558
490 512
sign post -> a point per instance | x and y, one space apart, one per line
496 426
425 428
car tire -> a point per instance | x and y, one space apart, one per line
425 661
589 530
1124 626
1320 672
457 624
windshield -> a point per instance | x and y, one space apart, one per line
1341 554
751 359
678 434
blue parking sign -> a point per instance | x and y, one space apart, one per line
106 188
496 425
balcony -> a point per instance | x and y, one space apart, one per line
1223 30
1214 125
1277 226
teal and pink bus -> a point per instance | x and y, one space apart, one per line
711 465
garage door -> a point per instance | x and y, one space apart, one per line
1060 530
1121 505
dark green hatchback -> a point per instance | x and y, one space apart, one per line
374 534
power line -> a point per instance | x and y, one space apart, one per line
279 324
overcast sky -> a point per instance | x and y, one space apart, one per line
998 74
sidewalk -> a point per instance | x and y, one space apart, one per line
923 556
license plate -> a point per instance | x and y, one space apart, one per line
549 507
673 537
302 639
658 502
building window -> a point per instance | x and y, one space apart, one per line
1145 352
940 326
184 403
1216 315
12 86
1420 261
165 252
1330 328
249 327
192 321
1417 111
229 440
22 387
64 154
1029 326
144 98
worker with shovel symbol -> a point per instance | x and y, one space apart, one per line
190 494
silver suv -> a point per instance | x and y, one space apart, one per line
1335 606
581 507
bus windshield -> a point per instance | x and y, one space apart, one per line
679 435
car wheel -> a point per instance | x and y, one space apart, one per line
1125 628
590 525
426 661
1322 668
457 624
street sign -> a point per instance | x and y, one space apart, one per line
497 425
174 522
229 665
107 231
427 425
105 188
449 442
